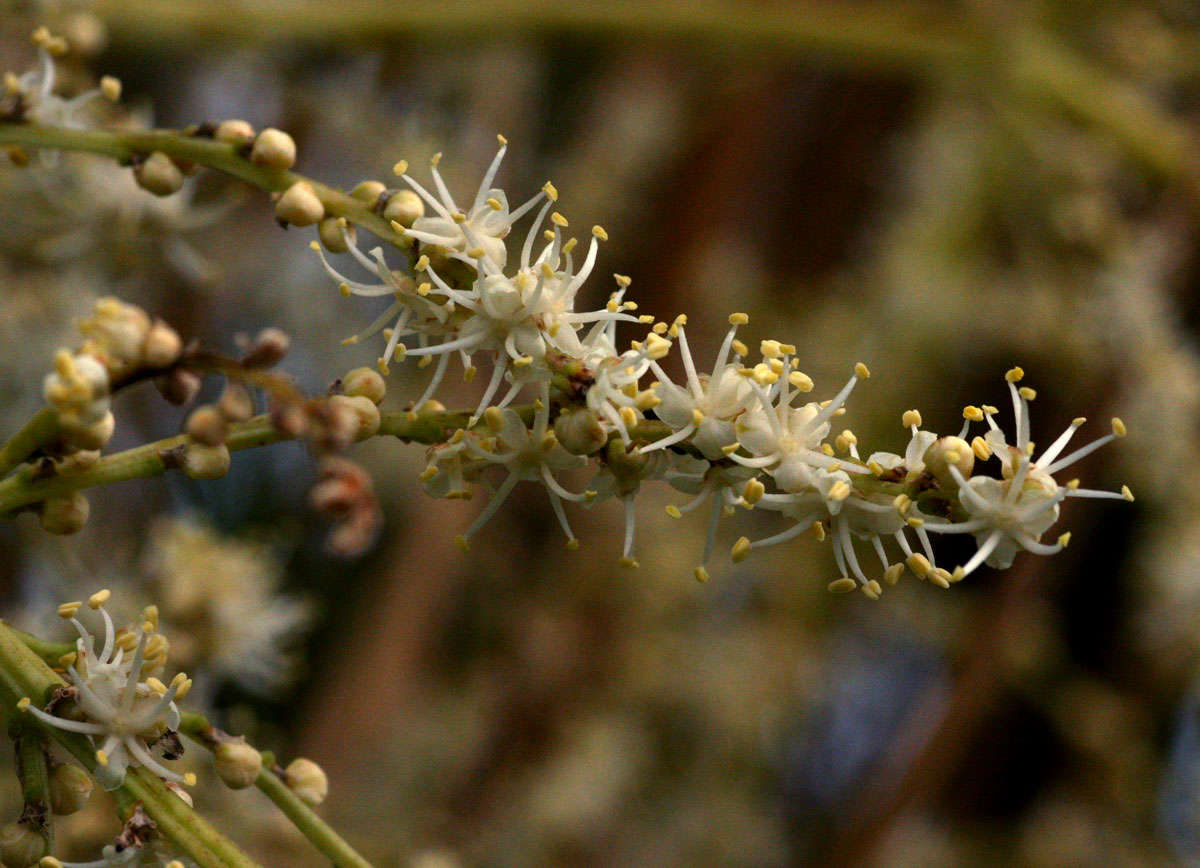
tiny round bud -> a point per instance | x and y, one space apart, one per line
368 191
947 452
299 206
580 432
179 387
206 425
163 345
364 412
158 174
268 349
237 763
66 514
307 780
20 846
366 383
274 149
93 435
205 462
405 207
234 132
333 236
70 788
110 87
235 403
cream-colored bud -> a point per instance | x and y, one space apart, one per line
366 383
368 191
580 432
237 763
205 462
178 387
299 205
235 403
158 174
20 846
65 514
333 236
234 132
405 207
274 149
364 411
307 780
269 347
163 345
206 424
93 435
70 788
947 452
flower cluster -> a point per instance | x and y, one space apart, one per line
736 436
125 708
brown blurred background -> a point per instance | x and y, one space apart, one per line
939 190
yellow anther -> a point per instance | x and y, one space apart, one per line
23 703
919 564
1065 539
570 245
989 410
892 574
673 511
572 545
628 562
916 522
801 381
400 168
872 590
435 159
495 204
818 531
738 319
68 610
461 542
551 191
99 598
973 413
827 449
156 685
469 373
1014 375
730 448
902 503
862 371
559 220
1118 427
701 574
844 585
940 577
753 492
189 779
740 550
981 449
599 233
840 490
911 419
770 349
1027 393
1127 493
102 758
876 468
740 348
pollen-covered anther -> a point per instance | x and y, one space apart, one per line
738 319
911 418
892 574
1013 375
918 564
844 585
740 550
902 503
1027 393
862 371
753 492
972 413
1118 427
69 610
872 590
98 599
1126 493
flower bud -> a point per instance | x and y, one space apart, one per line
405 207
307 780
163 345
299 206
274 149
366 383
580 432
237 763
206 425
268 349
945 453
234 132
368 191
93 435
205 462
235 403
116 334
70 788
65 514
20 846
179 387
332 234
364 412
158 174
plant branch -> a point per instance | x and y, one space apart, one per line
39 430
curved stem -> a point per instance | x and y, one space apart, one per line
40 429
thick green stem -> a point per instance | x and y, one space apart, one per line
24 674
39 430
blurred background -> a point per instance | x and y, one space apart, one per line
940 190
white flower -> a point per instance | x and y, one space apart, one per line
124 712
36 88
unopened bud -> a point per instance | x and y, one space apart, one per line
179 387
580 432
65 514
332 234
299 206
364 412
268 349
365 382
93 435
235 403
234 132
158 174
274 149
205 462
947 452
368 191
237 763
20 846
163 345
70 788
307 780
405 207
206 425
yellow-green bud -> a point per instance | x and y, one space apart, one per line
237 763
330 232
163 345
206 425
307 780
365 383
205 462
580 432
65 514
364 411
299 205
158 174
368 191
234 132
70 788
405 207
946 452
20 846
274 149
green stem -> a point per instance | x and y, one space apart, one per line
34 773
39 430
223 157
23 673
